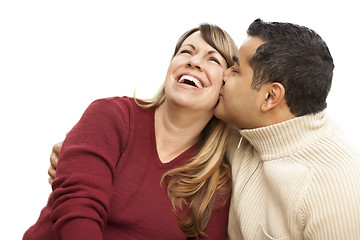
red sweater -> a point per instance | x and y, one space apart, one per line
108 181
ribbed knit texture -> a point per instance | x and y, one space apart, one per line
299 179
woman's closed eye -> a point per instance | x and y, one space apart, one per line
186 51
215 60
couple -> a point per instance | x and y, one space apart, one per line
166 168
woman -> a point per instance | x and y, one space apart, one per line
149 169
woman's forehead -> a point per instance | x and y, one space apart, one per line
196 41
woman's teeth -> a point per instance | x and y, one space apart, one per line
191 81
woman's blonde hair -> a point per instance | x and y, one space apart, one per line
207 175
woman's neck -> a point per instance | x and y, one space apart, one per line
177 129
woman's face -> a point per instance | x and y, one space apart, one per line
194 77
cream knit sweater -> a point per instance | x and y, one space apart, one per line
298 179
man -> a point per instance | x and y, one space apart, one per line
294 174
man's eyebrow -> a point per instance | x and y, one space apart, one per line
236 59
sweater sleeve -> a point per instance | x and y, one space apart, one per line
83 185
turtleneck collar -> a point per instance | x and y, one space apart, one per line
285 138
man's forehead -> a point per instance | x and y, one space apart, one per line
248 49
250 45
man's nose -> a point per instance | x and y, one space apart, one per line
226 74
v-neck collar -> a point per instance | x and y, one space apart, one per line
180 159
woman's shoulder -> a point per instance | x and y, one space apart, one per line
115 101
121 102
113 105
120 109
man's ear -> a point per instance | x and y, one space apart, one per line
274 95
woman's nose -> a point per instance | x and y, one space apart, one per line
196 62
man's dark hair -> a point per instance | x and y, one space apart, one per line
298 58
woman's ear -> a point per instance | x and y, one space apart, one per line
273 96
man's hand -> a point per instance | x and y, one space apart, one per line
54 161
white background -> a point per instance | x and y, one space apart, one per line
56 57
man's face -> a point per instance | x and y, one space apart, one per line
239 104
